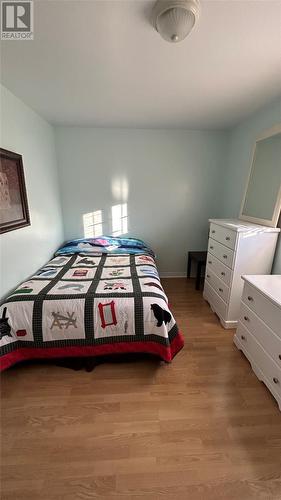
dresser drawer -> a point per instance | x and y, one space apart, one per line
264 335
217 284
266 310
223 235
224 254
215 265
262 360
217 304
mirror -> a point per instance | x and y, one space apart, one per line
262 199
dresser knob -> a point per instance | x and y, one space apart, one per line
246 318
212 248
208 276
279 357
243 337
250 298
223 273
227 238
225 256
220 289
275 380
213 231
209 262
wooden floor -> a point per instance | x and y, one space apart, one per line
202 427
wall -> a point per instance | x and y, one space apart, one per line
242 139
24 250
171 180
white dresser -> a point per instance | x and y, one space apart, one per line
235 248
259 329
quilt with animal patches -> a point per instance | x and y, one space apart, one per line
80 304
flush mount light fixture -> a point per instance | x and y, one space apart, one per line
174 19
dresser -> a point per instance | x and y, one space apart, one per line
259 329
235 248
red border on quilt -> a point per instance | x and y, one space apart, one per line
28 353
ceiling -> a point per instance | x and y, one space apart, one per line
100 63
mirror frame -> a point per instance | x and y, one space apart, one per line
265 222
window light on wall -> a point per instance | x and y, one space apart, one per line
119 214
93 224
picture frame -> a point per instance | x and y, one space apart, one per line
14 212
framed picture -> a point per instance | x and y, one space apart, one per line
13 200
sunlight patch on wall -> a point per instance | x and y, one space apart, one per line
93 224
120 188
119 215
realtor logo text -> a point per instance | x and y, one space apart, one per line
17 20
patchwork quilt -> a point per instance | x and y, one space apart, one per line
88 304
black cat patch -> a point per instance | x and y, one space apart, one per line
5 329
161 315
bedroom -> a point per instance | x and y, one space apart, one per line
119 132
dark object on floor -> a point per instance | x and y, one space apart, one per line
83 363
200 260
89 363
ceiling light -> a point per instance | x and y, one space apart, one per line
174 19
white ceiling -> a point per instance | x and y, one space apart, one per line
100 63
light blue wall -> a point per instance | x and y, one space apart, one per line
242 139
171 180
24 250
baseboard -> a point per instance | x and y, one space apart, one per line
229 324
176 274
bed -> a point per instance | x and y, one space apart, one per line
96 297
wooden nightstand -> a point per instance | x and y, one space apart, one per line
200 260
